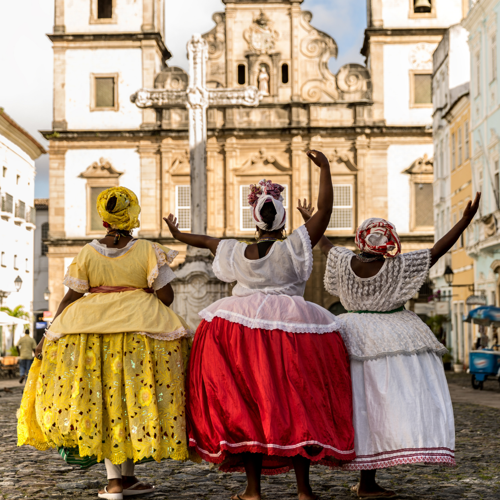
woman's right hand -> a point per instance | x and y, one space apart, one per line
172 224
39 349
318 158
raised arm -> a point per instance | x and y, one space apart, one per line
195 240
317 224
307 211
450 238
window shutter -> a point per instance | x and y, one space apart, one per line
183 207
342 207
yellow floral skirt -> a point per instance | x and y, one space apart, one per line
117 396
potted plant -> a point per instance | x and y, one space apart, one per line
447 360
458 366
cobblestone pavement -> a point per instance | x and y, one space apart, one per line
28 473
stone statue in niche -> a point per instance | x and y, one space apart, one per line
263 80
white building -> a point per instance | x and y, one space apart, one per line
399 43
18 152
451 77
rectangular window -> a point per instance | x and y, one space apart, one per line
18 178
441 158
467 141
105 92
7 203
27 266
2 260
496 187
455 246
246 220
45 236
423 208
459 147
342 207
480 177
21 210
461 239
421 89
453 151
493 57
15 262
95 219
183 207
4 172
104 9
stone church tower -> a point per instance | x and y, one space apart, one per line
371 121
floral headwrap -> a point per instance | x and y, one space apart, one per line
125 215
378 236
267 192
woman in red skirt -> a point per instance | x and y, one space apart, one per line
269 387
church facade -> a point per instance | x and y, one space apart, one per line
373 121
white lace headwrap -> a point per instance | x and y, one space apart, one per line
280 217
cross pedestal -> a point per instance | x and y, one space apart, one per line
196 286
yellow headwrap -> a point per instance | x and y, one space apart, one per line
126 212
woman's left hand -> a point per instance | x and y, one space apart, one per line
39 349
306 210
172 224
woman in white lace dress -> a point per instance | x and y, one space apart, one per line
268 384
402 406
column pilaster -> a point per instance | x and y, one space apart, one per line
59 26
59 107
300 187
232 212
57 162
150 190
148 15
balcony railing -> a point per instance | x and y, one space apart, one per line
7 203
20 210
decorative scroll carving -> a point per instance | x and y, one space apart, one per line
261 36
321 47
180 165
354 83
216 38
159 98
248 96
343 159
100 169
421 166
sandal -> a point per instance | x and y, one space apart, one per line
110 496
133 491
355 489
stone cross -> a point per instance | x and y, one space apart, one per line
197 98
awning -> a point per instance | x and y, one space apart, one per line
484 315
5 319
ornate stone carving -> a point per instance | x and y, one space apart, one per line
421 166
261 36
180 164
321 47
100 169
354 83
261 162
489 225
216 38
421 56
248 96
172 78
159 98
343 159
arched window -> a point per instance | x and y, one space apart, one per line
45 235
285 77
242 74
104 9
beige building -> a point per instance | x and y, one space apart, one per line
373 122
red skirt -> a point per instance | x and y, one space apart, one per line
272 392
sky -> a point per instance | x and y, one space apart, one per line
26 55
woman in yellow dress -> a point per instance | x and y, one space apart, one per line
109 376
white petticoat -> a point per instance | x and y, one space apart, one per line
270 312
402 412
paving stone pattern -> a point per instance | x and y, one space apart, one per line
28 473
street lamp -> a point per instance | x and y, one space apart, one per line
18 283
46 294
449 275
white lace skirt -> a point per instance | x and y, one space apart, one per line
402 412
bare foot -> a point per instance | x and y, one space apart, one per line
244 496
372 490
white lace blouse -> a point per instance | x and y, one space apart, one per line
269 291
370 336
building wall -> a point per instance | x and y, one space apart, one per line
16 241
41 263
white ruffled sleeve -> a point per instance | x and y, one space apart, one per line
223 265
300 248
165 276
415 268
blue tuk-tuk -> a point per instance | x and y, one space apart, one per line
484 364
